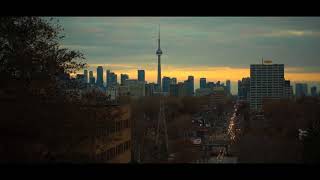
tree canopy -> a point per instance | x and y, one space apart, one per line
30 49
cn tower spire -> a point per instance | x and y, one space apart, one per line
159 38
159 53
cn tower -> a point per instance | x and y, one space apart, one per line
159 53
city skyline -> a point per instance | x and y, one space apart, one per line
216 91
217 48
151 76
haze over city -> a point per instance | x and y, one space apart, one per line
218 48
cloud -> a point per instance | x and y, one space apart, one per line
79 47
305 69
198 41
279 33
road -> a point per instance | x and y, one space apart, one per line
222 128
232 134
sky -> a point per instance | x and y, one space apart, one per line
218 48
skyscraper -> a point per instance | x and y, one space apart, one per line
210 85
203 83
124 77
166 84
136 88
150 89
111 79
173 90
228 86
141 76
108 78
191 85
85 73
314 91
159 53
182 89
188 85
91 78
100 76
288 91
301 89
173 80
244 89
266 82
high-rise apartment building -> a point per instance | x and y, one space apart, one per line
266 82
288 90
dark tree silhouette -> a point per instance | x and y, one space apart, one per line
31 59
30 49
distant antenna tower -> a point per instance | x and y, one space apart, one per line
161 132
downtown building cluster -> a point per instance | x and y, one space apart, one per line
140 87
134 87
